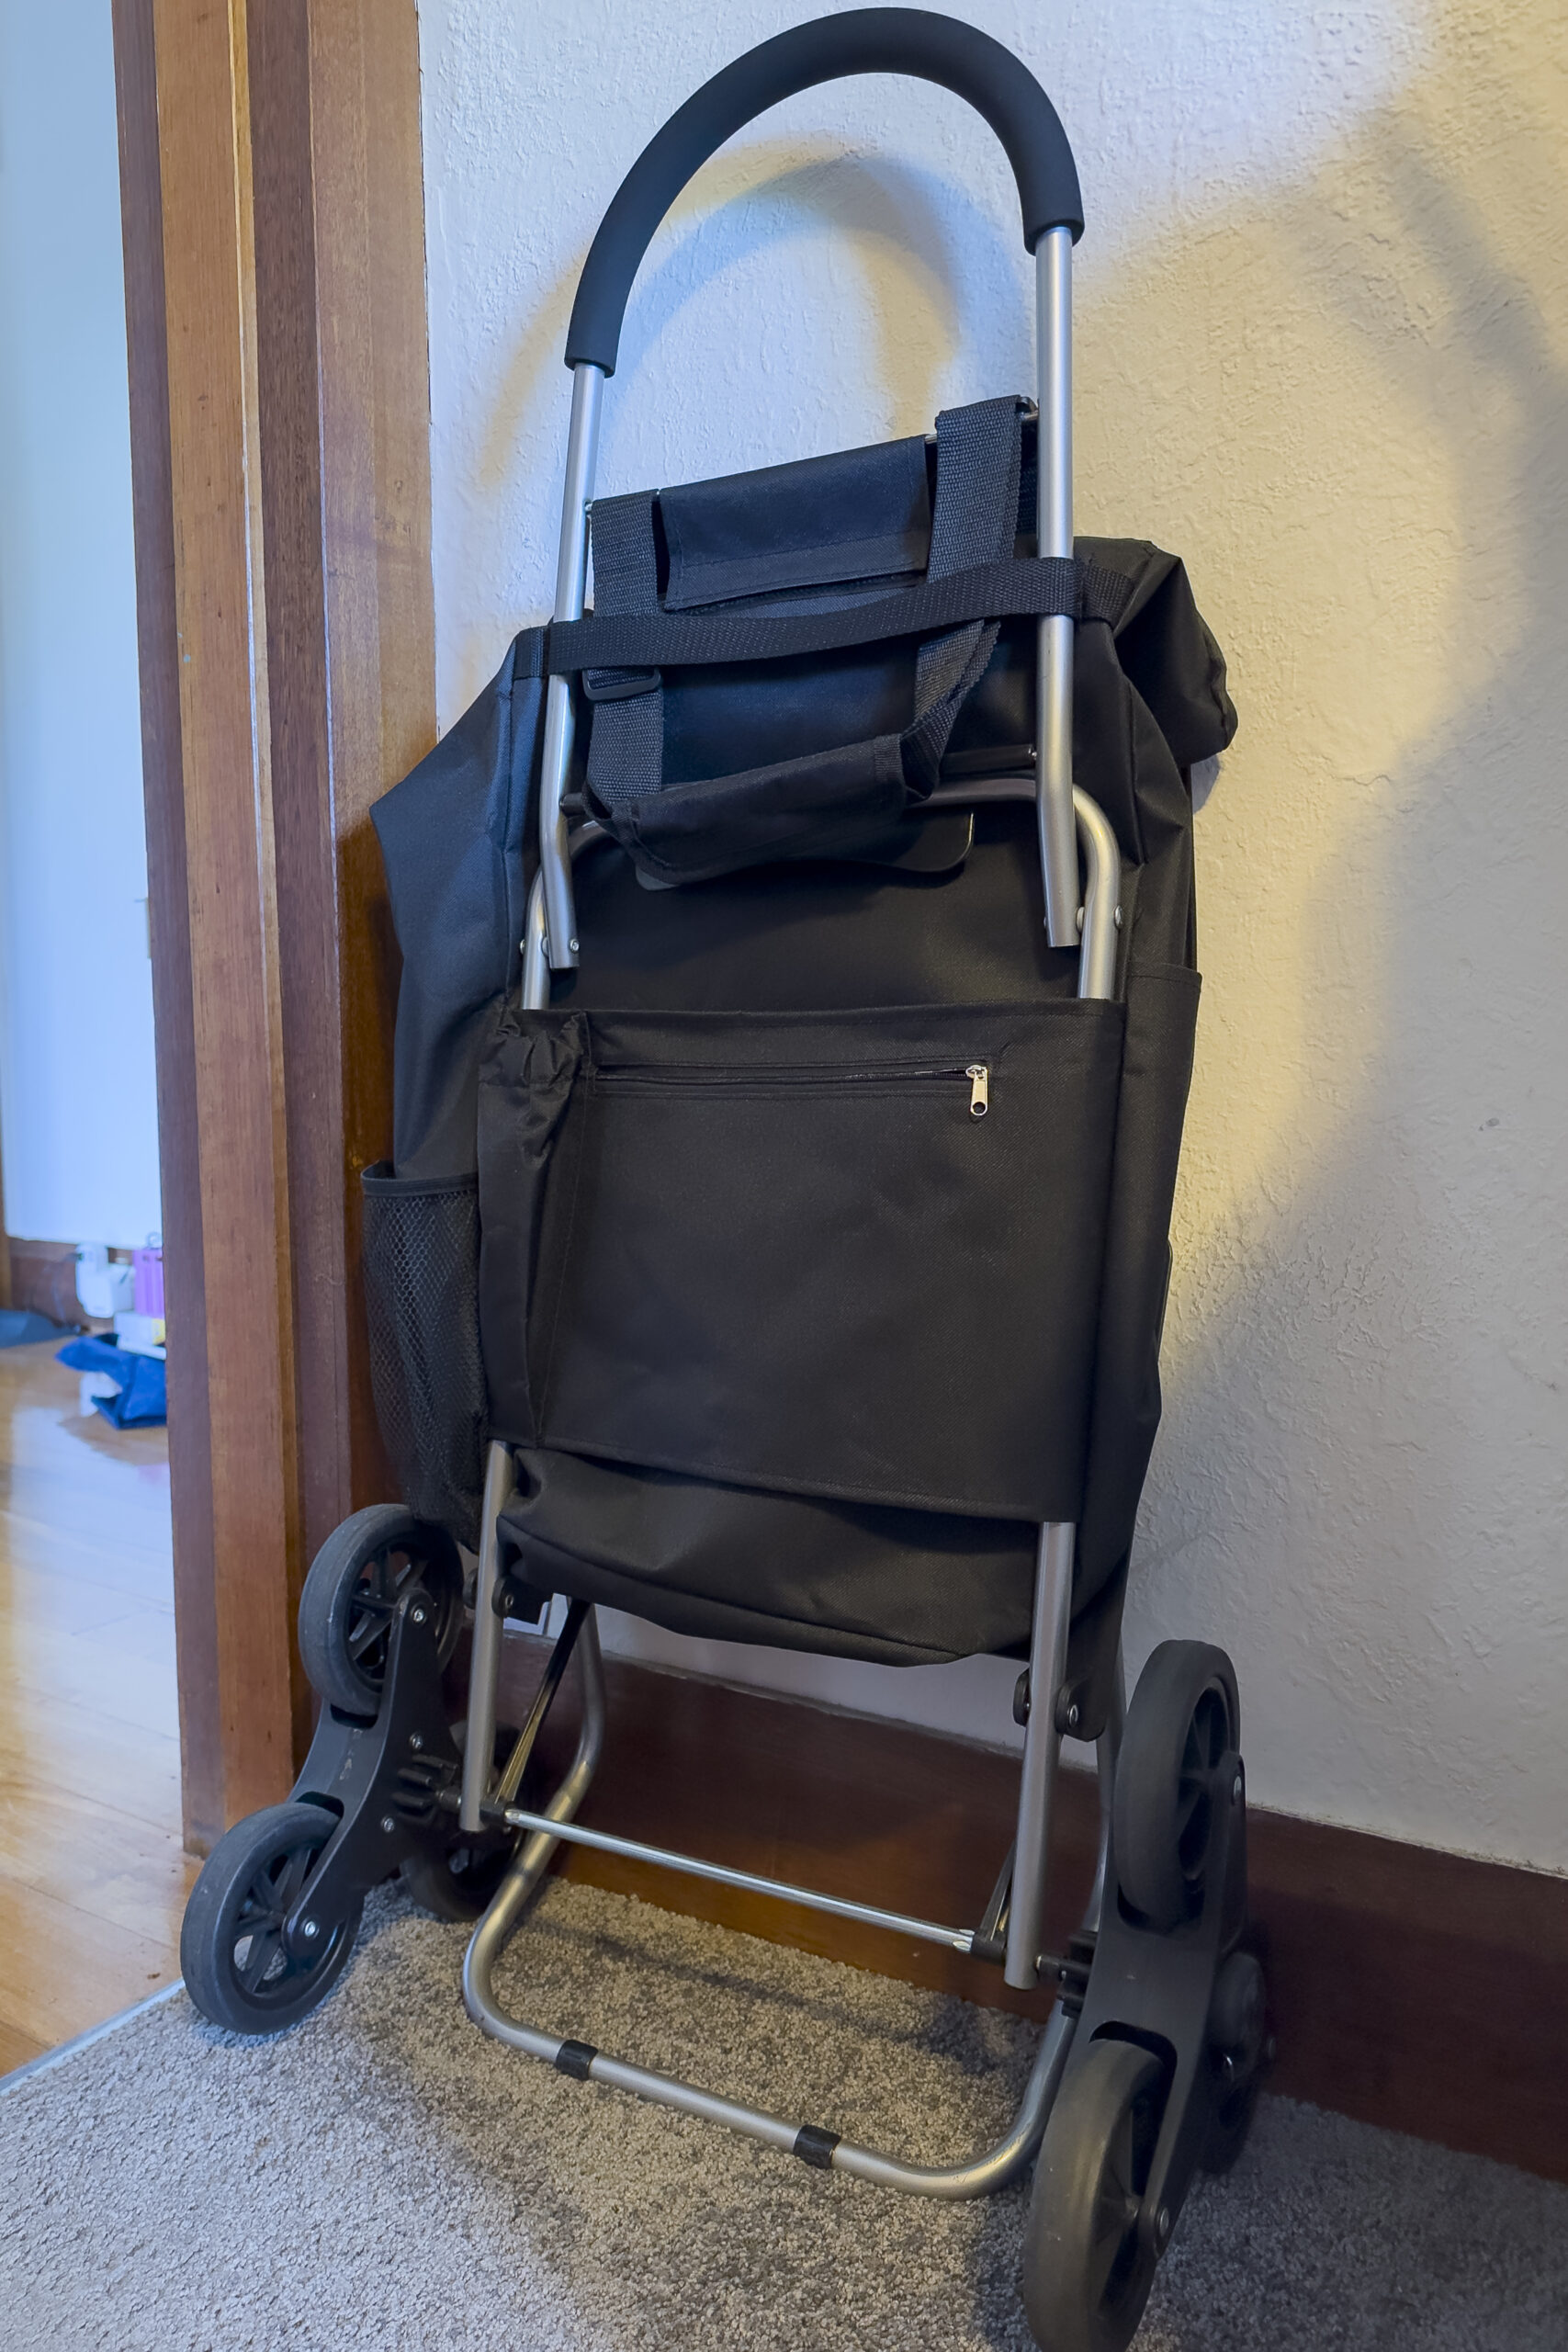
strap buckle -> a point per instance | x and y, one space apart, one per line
620 686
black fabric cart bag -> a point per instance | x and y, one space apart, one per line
792 1343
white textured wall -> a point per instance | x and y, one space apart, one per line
77 1106
1323 352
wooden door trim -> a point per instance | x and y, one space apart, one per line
273 208
190 1450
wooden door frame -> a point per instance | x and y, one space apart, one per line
273 227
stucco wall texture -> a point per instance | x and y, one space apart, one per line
1322 351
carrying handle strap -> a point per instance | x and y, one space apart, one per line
862 40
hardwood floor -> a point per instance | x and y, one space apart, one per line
92 1877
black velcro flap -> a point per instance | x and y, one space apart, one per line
857 515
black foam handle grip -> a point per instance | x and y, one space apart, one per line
863 40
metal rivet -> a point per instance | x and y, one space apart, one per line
1163 2224
418 1616
387 1824
1235 1790
1073 1715
572 944
308 1928
415 1739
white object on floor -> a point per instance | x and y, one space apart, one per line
141 1335
93 1384
105 1286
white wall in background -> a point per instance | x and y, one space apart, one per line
77 1110
1323 352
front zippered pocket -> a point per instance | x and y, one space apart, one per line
808 1077
852 1255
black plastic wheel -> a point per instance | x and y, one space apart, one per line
1183 1718
1238 2008
1234 2106
459 1883
1238 2039
356 1582
457 1878
1087 2270
232 1953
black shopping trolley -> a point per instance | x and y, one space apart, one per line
793 1044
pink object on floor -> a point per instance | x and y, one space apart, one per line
147 1267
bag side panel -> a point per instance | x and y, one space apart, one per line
529 1144
1162 1012
454 839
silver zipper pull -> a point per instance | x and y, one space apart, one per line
979 1078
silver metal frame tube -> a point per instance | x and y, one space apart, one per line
688 2098
532 1859
991 2169
996 2165
605 1841
1053 521
484 1665
982 2175
1107 1749
1103 892
1097 943
536 989
571 582
1042 1750
979 2176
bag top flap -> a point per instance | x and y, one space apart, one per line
857 515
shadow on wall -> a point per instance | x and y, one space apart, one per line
1361 1484
1344 403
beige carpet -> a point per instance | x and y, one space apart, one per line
384 2177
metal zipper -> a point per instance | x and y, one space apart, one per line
782 1074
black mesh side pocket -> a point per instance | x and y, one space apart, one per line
421 1288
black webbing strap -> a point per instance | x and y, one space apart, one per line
1023 585
625 750
974 519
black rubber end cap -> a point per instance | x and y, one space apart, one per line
576 2059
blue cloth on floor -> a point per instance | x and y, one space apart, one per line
20 1325
144 1394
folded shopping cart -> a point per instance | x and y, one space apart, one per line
793 1042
